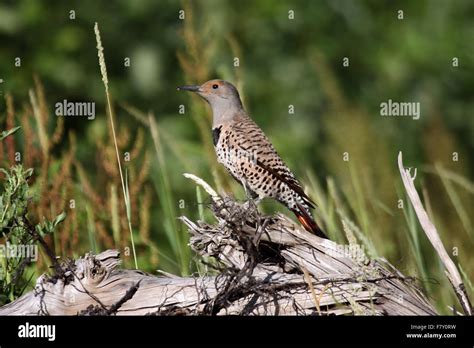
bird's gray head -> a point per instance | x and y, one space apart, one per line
221 95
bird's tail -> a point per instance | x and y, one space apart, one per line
308 222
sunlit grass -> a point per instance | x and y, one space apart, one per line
361 193
126 192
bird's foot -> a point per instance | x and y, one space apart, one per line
261 227
251 204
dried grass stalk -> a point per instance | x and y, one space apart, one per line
430 230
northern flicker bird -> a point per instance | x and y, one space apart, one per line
247 154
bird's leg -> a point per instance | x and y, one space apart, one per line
251 205
245 189
252 198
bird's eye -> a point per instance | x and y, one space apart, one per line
215 86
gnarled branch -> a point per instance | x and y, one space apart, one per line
260 265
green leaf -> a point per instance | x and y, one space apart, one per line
5 134
60 218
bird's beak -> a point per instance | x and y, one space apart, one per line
192 88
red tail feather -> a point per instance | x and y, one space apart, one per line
309 224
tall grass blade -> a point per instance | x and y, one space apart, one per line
103 70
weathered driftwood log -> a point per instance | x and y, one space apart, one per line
259 266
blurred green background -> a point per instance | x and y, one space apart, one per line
282 62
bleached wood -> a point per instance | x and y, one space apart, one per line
276 285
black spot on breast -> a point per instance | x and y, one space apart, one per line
216 133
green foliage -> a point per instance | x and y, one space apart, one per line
20 243
13 203
20 237
5 134
282 62
14 200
